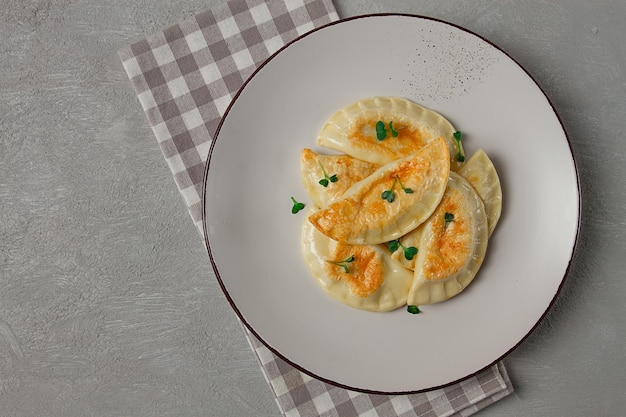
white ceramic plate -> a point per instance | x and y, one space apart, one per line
253 171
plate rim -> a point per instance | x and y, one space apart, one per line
204 203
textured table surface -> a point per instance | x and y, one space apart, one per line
108 306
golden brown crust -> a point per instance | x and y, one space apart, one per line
363 216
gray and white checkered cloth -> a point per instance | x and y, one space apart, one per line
185 77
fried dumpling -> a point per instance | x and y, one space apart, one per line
392 201
481 173
335 172
406 126
452 246
361 276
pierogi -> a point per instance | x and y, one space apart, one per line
361 276
482 174
398 219
413 185
354 129
327 177
452 247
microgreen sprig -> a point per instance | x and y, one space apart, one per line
381 131
460 156
409 252
413 309
394 132
344 263
296 206
390 195
324 181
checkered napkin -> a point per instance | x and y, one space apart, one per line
185 78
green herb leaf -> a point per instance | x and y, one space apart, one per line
381 132
394 132
296 206
406 190
388 195
410 252
343 264
413 309
324 181
448 217
460 156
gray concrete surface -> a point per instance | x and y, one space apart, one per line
107 303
